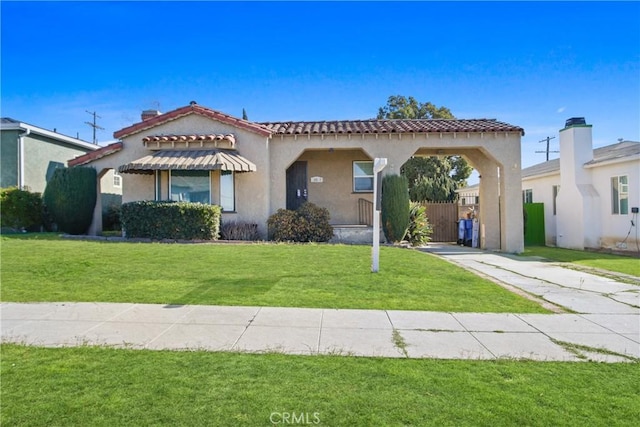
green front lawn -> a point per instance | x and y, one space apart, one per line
616 263
109 387
327 276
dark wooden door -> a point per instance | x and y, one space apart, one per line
297 192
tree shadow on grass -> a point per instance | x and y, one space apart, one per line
242 291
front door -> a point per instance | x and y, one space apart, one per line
296 185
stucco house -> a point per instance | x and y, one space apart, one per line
590 196
252 169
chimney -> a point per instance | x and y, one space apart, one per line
578 202
149 114
576 149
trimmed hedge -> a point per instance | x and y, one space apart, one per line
395 207
21 209
309 223
170 220
70 197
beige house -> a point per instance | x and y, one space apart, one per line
252 169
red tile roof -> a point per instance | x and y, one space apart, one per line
95 155
391 126
192 108
329 127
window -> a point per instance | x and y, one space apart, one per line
527 196
619 195
190 186
227 191
117 180
556 190
363 177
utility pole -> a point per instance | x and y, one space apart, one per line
94 125
549 138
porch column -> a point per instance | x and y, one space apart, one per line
489 207
511 209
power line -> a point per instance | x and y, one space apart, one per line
549 138
94 125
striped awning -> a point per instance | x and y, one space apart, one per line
226 160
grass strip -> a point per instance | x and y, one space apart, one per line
104 387
284 275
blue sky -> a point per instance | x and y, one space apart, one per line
532 64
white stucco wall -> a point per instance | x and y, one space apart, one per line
611 229
614 228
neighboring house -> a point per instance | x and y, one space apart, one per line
469 200
30 154
589 195
253 169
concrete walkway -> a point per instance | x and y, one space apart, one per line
606 317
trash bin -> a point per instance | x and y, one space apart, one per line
461 225
468 232
465 232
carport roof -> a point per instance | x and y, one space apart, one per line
391 126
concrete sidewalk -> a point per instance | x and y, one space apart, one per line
606 316
377 333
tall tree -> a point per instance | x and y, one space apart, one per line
430 178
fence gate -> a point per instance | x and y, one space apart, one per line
443 218
534 224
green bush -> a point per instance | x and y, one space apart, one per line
419 232
233 230
309 223
171 220
70 197
111 218
21 209
395 207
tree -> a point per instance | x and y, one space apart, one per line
395 207
244 115
70 196
401 107
430 178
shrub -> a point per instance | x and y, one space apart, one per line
419 231
70 197
21 209
309 223
317 224
170 220
111 218
395 207
233 230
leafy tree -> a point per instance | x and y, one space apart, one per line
401 107
430 178
244 115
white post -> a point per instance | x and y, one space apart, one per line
378 165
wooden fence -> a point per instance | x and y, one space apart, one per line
443 218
